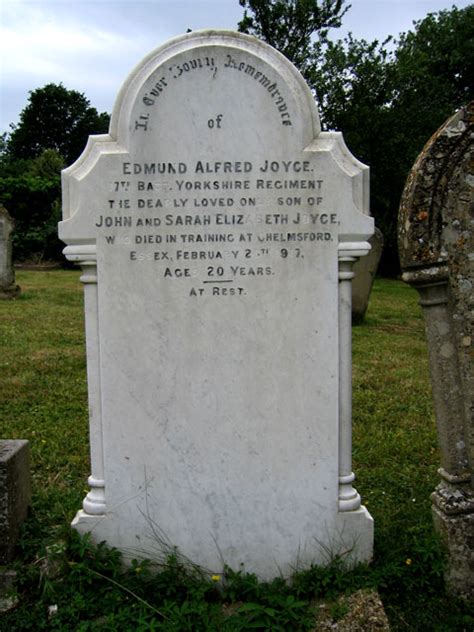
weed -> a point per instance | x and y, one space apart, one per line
338 611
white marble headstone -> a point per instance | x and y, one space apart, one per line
216 227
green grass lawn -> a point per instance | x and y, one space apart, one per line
43 398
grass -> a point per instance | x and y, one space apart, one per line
43 398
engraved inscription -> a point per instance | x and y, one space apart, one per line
232 223
254 72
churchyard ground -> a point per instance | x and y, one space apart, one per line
43 398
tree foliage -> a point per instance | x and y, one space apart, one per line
432 77
55 118
387 98
434 67
30 191
354 83
52 132
291 26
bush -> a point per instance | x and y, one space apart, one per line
33 202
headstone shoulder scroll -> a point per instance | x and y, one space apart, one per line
217 227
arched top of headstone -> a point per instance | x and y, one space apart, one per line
434 208
249 72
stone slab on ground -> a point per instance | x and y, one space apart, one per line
364 613
15 493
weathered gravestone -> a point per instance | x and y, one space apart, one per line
8 287
15 493
436 251
212 225
365 270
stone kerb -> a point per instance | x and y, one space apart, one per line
217 227
436 245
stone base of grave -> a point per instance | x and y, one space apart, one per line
350 540
453 513
15 493
355 536
10 291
